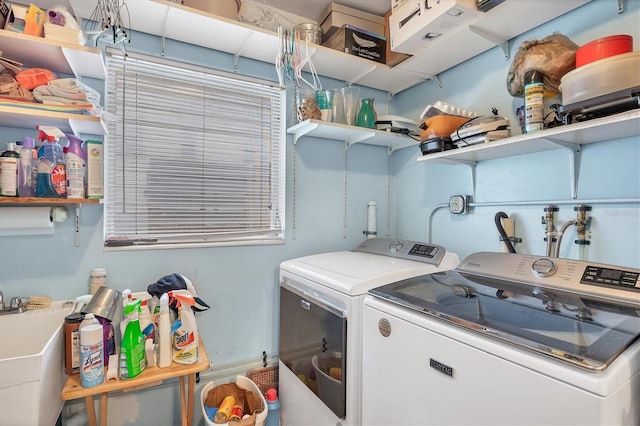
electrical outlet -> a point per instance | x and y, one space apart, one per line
459 204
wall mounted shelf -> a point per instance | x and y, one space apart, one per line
174 21
46 201
350 134
570 137
61 58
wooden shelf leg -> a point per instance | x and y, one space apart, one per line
183 402
192 380
91 411
103 409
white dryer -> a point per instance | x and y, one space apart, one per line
320 323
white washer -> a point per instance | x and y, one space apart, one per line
505 339
320 323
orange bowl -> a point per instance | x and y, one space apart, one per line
603 48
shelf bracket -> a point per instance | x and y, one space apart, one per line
356 139
362 75
504 44
238 54
620 6
300 133
435 79
76 238
574 162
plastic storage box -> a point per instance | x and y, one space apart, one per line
244 383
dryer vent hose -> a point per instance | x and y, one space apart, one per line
503 235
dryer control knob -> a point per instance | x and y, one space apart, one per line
395 246
543 267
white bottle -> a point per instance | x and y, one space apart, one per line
164 333
91 353
97 279
126 298
88 320
146 325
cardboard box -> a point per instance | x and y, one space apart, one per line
358 42
336 16
414 26
395 4
4 13
393 58
95 172
16 18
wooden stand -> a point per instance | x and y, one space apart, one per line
151 376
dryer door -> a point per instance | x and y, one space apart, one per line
313 343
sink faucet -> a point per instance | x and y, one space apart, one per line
17 306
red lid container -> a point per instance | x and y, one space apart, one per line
603 48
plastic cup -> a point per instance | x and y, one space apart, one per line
324 97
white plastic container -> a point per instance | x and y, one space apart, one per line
244 383
601 77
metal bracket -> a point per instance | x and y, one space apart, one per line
504 44
620 6
77 226
574 162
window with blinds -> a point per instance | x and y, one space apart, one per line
193 157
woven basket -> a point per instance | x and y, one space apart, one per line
265 378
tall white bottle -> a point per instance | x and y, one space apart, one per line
164 333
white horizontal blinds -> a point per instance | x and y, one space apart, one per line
192 156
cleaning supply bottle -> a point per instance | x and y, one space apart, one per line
185 329
76 166
144 315
52 174
91 353
9 171
132 351
273 405
164 333
126 298
27 170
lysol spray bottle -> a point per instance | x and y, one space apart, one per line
76 167
91 355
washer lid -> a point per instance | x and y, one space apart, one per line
355 273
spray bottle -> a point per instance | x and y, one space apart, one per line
76 164
28 168
52 175
132 351
163 333
185 329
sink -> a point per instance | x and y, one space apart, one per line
32 365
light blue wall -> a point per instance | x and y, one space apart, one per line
607 170
240 283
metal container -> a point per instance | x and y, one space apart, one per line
104 303
310 32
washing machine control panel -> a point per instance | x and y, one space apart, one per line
619 278
404 249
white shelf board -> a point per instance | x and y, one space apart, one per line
69 123
617 126
350 134
60 57
172 20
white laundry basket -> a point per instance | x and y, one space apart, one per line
244 383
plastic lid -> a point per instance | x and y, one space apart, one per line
272 395
98 272
28 142
11 146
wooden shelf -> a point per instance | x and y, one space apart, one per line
46 201
351 134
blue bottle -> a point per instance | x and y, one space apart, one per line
273 415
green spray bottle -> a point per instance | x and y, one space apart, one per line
132 355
